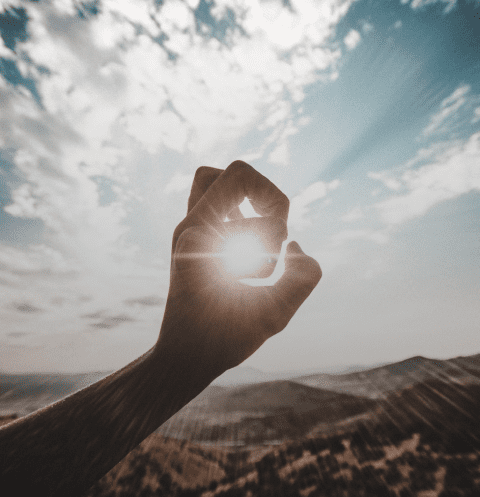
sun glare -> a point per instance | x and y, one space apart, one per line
242 253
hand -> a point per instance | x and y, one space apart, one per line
213 323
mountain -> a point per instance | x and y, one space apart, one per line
255 413
320 403
380 381
243 375
24 393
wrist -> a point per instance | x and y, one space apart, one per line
178 376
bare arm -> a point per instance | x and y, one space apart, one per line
211 324
66 447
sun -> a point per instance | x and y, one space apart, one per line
242 253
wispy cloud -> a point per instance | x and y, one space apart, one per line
26 307
419 4
453 173
112 321
17 334
149 301
348 235
352 39
386 178
448 108
299 205
179 183
353 215
476 115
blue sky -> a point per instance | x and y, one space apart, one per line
365 113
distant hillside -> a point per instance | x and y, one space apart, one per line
276 410
380 381
271 397
282 410
245 375
24 393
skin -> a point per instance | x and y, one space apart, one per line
211 324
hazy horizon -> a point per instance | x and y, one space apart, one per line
366 114
241 369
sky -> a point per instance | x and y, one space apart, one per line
365 113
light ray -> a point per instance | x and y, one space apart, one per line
242 253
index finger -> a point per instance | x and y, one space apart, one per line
228 191
204 178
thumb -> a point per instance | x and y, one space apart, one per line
301 276
300 265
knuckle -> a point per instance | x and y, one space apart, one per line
202 171
204 177
177 233
182 241
195 239
239 167
179 229
188 235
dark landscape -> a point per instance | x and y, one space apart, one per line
404 429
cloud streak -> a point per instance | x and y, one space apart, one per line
299 205
453 173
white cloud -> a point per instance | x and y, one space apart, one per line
436 149
175 13
398 24
454 173
352 39
353 215
299 204
344 236
179 183
448 107
280 155
4 51
278 113
418 4
193 4
37 260
367 27
476 117
107 81
386 179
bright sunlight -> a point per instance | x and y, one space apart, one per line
242 253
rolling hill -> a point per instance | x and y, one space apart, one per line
22 394
380 381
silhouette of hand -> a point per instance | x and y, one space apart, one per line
212 321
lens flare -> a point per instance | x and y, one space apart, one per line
242 253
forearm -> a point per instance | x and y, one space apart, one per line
66 447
